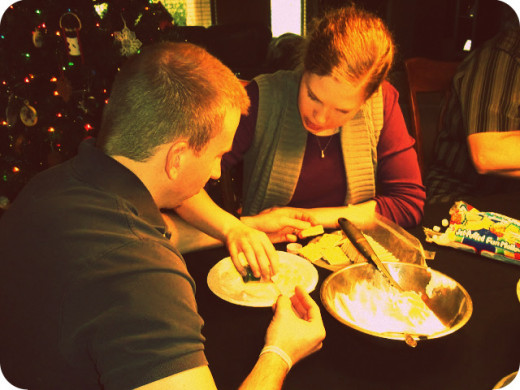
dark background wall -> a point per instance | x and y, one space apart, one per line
240 11
431 28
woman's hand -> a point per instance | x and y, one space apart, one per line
281 224
250 242
248 245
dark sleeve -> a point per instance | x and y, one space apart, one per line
245 131
134 315
488 95
400 193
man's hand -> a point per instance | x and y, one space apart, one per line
250 242
281 224
297 326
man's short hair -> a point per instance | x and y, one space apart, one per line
167 92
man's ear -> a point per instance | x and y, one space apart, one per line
175 158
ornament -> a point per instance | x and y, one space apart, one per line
37 37
129 42
70 23
101 9
28 114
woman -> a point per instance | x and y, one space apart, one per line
319 143
331 134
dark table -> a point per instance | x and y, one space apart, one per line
475 357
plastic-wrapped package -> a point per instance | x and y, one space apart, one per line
489 234
390 242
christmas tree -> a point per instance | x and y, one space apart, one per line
59 59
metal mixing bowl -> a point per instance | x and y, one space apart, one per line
447 298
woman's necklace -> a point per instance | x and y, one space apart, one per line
326 146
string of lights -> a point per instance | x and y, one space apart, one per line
60 60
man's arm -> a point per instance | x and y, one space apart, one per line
496 153
296 329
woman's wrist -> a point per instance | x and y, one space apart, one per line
249 221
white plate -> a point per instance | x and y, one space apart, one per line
518 289
226 283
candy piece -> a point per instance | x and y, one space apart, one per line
294 248
312 231
334 255
311 252
250 277
445 222
328 240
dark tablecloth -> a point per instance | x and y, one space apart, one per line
475 357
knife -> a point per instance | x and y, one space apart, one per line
363 246
361 243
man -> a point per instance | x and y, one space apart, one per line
93 294
476 152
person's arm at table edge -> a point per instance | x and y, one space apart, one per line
364 212
204 214
495 153
248 241
358 213
185 237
